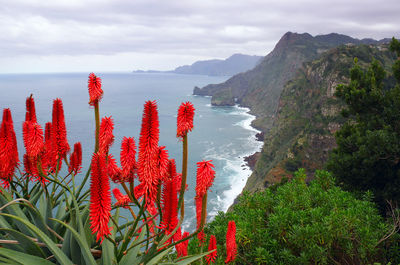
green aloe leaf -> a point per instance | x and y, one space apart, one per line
58 254
131 258
26 244
23 258
85 249
156 259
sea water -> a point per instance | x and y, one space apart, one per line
221 134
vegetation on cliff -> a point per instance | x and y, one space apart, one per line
308 114
368 153
296 223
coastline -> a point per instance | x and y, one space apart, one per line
248 159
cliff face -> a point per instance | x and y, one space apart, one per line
308 114
260 88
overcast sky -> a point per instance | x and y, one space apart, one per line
123 35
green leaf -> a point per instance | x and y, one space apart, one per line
58 254
28 246
190 259
157 258
24 258
131 257
85 249
108 255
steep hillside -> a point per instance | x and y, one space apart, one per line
261 87
308 114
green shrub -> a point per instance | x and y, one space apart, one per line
296 223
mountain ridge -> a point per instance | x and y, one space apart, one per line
230 66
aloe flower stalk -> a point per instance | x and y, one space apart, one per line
184 125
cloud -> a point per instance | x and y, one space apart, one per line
95 29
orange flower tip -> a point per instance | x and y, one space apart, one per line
95 91
185 119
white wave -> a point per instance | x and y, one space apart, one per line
234 161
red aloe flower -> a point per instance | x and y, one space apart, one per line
170 205
76 159
59 131
205 177
100 197
113 171
172 169
231 247
30 114
106 134
148 146
127 158
33 138
211 246
181 248
162 163
185 119
49 157
8 148
199 207
122 200
95 91
184 245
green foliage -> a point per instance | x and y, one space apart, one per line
296 223
368 153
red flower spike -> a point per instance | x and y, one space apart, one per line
172 168
33 138
184 246
148 146
113 171
170 205
231 247
199 207
30 114
106 134
75 163
95 91
100 198
211 246
49 157
205 177
185 119
127 158
59 131
177 236
122 200
8 148
162 163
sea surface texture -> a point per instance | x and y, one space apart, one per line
221 134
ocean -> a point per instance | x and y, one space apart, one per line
221 134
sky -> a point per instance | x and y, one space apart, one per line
125 35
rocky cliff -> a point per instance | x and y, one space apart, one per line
308 114
260 88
